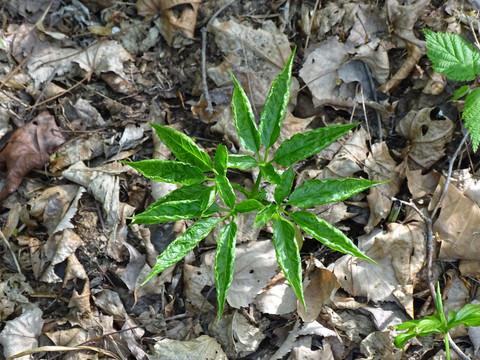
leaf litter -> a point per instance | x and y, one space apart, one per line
94 74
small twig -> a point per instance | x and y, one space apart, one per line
11 251
429 225
310 24
204 56
449 174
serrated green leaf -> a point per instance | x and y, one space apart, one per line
276 104
282 190
318 192
269 172
248 205
221 160
327 234
265 215
452 56
226 190
182 245
174 172
288 256
242 162
469 315
460 92
244 119
224 263
183 147
471 115
302 146
187 202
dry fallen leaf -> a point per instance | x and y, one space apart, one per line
29 147
457 225
185 22
426 137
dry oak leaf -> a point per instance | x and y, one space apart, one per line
177 15
29 147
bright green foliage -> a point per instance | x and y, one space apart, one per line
458 60
326 233
302 146
195 199
452 56
319 192
225 263
182 245
276 104
469 315
173 172
244 119
288 256
471 115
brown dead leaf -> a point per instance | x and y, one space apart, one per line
29 147
319 287
184 22
426 137
400 254
380 166
457 226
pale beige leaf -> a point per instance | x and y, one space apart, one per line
320 69
201 348
426 137
380 166
400 254
279 299
457 226
22 333
255 265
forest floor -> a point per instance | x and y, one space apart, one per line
71 262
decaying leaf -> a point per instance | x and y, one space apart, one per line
400 254
319 287
201 348
457 225
171 22
29 148
426 137
380 166
21 333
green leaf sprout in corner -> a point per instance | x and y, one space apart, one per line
458 60
437 323
205 184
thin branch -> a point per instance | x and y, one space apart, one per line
204 56
429 225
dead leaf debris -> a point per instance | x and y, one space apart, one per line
79 82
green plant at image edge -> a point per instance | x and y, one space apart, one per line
203 180
437 323
458 60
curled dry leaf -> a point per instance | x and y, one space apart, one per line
171 23
29 147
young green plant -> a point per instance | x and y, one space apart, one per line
202 180
458 60
437 323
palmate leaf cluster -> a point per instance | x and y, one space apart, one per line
458 60
203 179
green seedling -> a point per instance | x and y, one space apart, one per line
203 179
437 323
458 60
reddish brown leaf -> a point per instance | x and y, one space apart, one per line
29 147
